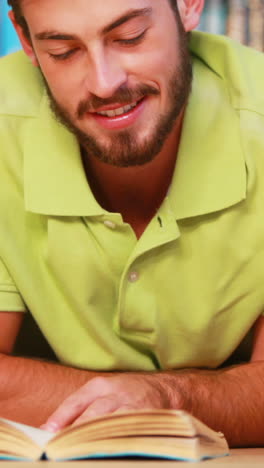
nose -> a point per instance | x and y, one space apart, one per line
105 74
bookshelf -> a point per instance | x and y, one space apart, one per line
243 20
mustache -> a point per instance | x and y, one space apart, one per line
123 95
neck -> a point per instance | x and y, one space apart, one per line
135 192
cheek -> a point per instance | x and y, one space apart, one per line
157 70
156 63
62 87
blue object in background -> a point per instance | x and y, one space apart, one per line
8 39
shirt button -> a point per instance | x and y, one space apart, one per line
133 277
110 224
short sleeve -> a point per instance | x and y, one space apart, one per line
10 299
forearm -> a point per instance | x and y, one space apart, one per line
230 400
31 390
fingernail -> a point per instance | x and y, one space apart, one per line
50 427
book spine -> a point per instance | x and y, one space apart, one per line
237 23
256 24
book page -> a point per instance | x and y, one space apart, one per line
38 436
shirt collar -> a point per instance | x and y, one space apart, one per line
55 181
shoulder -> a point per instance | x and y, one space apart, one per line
21 86
241 68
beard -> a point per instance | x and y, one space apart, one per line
124 148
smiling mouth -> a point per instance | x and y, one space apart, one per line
120 110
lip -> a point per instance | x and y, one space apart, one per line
119 122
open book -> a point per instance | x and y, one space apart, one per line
166 434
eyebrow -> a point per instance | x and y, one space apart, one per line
129 15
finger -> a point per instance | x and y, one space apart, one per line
99 407
76 404
66 413
126 408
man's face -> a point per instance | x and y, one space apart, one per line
117 72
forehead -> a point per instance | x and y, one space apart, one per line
96 11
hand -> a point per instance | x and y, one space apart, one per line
102 395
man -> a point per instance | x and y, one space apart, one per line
131 224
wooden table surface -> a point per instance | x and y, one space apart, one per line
241 458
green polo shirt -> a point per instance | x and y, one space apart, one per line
184 294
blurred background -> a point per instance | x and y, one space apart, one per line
242 20
8 38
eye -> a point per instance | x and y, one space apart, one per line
63 56
133 40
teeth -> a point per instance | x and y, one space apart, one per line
119 111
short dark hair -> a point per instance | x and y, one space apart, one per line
16 7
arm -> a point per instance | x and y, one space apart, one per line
31 390
230 400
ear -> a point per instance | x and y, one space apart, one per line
190 12
25 42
